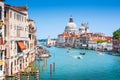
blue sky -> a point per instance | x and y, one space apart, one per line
51 16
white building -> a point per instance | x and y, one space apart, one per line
92 44
16 40
50 42
105 46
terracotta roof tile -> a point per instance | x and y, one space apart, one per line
25 8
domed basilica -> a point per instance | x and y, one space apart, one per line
71 26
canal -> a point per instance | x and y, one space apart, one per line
91 66
63 65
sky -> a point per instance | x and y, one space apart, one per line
51 16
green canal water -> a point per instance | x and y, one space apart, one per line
92 66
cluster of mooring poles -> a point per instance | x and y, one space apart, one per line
52 68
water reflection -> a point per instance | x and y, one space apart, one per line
44 65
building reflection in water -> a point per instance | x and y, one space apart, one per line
44 65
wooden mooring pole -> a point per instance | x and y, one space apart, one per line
53 66
18 75
28 77
37 75
50 68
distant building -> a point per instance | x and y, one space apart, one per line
63 39
82 39
50 42
17 39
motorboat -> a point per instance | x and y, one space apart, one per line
78 57
44 55
82 53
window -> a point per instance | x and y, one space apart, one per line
1 54
20 66
22 18
5 32
26 59
11 44
0 12
5 13
10 14
11 26
0 67
5 54
25 19
15 62
17 16
14 15
15 45
30 36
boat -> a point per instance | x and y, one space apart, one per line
78 57
44 55
82 53
112 53
49 46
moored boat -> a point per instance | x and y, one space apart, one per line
44 55
114 54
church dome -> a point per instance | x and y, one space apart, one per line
71 26
82 28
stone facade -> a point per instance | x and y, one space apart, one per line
17 40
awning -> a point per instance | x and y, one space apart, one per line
1 62
21 45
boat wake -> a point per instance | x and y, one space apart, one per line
78 57
100 53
